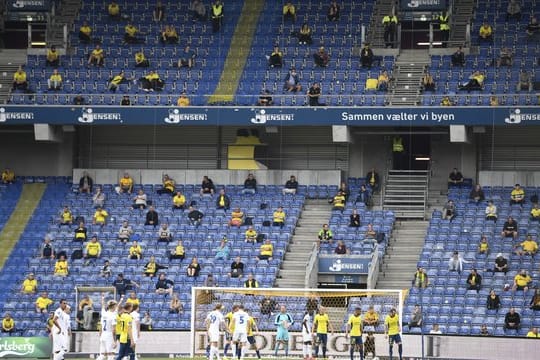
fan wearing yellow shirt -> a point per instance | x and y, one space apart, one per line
53 57
251 331
8 324
485 32
114 10
533 333
132 299
528 247
29 285
55 80
66 218
517 196
85 33
19 80
43 302
130 32
183 100
135 251
535 212
168 185
141 60
126 184
179 251
8 176
266 251
321 324
126 337
179 201
151 82
483 247
116 80
93 250
61 268
279 217
230 326
392 333
96 57
522 281
169 35
354 331
251 235
100 216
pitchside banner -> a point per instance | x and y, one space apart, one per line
271 116
339 265
422 5
28 5
25 347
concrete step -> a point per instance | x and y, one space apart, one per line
293 265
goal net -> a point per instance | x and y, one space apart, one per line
264 306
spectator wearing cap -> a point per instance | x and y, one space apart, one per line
517 196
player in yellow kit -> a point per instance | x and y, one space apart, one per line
126 336
354 331
251 331
321 324
230 326
391 331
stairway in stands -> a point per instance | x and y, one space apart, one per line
381 8
406 193
10 60
65 14
407 73
402 255
293 269
462 14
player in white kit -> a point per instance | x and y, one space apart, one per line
240 325
214 323
60 331
135 326
307 337
107 334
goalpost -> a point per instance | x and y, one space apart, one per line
263 305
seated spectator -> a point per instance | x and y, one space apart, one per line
321 57
364 196
292 81
194 268
130 32
175 306
517 196
195 216
183 100
373 180
446 101
139 201
86 308
333 11
152 267
29 285
132 299
135 251
455 178
513 11
435 330
147 322
266 251
535 213
8 176
533 333
141 60
105 271
354 219
116 80
491 211
383 81
371 317
187 58
291 186
251 282
100 216
278 217
512 320
449 211
79 100
47 249
416 317
325 236
455 263
125 232
484 330
20 80
528 247
371 84
524 82
207 186
275 59
53 57
96 57
305 35
152 217
476 82
250 235
61 268
483 247
159 12
344 190
428 84
223 201
268 306
179 251
167 185
265 98
126 101
341 249
501 264
98 199
474 281
477 194
66 217
505 57
370 232
198 10
126 184
314 94
8 324
338 202
165 234
493 301
93 250
533 30
80 233
152 82
122 284
164 286
114 11
237 217
43 302
535 301
493 100
458 58
85 33
289 12
421 279
522 281
223 250
485 33
366 56
237 268
179 201
250 185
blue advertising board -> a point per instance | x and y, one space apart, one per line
422 5
340 265
271 116
28 5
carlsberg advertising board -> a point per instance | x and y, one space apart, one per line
25 347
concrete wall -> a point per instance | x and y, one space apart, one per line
368 151
446 156
509 178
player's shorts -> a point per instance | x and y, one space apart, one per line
356 340
394 339
520 288
106 344
213 336
228 336
307 338
124 350
117 337
240 337
59 342
251 340
323 338
282 335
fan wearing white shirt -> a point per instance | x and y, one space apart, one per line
240 324
214 323
107 332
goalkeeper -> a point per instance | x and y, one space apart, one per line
283 321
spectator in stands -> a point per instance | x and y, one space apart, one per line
79 100
251 282
449 211
325 236
389 23
477 194
100 216
86 307
533 333
435 329
314 94
491 211
66 217
266 251
528 247
126 184
139 201
47 249
364 195
292 81
371 317
85 33
152 217
237 268
305 35
501 264
93 250
275 59
194 268
207 186
458 58
167 185
474 281
175 306
268 306
195 216
485 32
147 322
198 10
106 270
535 213
354 219
493 100
223 250
152 82
135 251
505 57
61 268
338 201
291 186
265 98
20 80
217 15
344 190
512 320
421 279
132 299
250 185
159 12
114 11
53 57
130 32
8 176
373 180
521 281
179 201
223 201
164 234
455 178
237 217
366 56
513 11
484 330
250 235
43 302
122 284
97 56
456 262
493 301
187 58
533 30
476 82
183 100
85 183
116 80
517 196
416 319
278 217
483 247
164 286
125 232
535 301
29 285
525 81
333 11
8 324
428 84
80 232
446 101
141 60
289 12
321 57
370 232
383 81
179 252
341 249
152 267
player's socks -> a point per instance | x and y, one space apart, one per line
286 345
258 353
100 357
400 351
324 352
361 351
352 352
276 349
208 350
390 351
111 357
226 350
242 352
